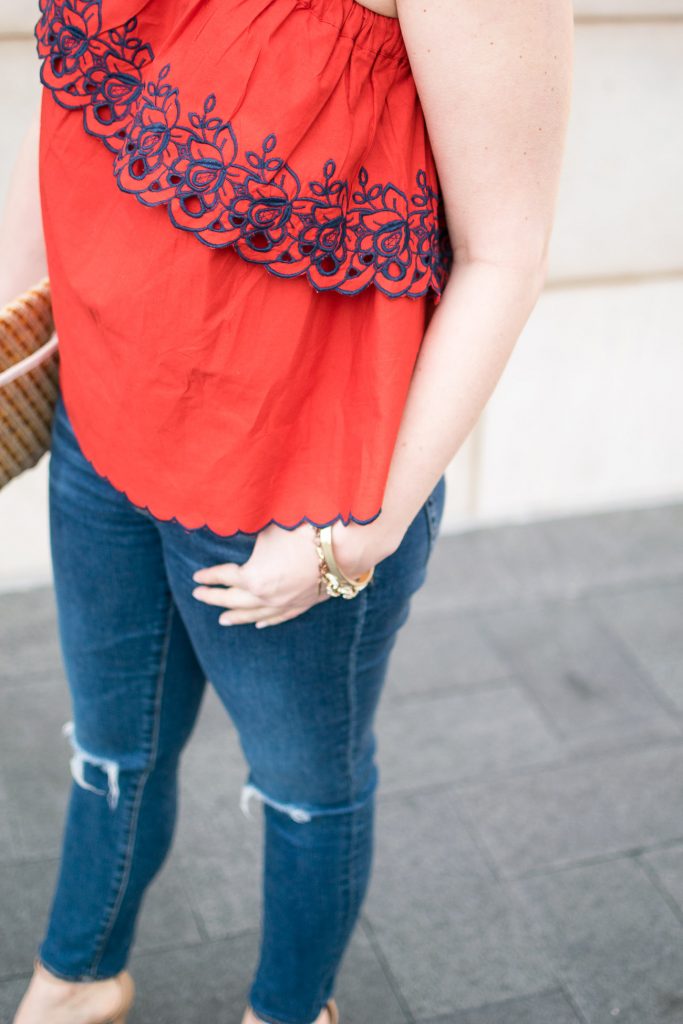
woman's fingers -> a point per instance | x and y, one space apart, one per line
279 581
264 615
243 606
227 597
226 573
279 615
243 616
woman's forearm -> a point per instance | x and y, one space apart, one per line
464 351
22 244
495 86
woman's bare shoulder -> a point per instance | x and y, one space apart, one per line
494 80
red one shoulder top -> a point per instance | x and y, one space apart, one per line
245 241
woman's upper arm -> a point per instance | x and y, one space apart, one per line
494 80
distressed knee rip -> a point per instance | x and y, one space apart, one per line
300 813
249 791
80 758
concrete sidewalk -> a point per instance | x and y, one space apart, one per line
529 848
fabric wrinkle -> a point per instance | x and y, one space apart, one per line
242 270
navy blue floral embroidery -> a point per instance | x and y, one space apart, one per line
342 238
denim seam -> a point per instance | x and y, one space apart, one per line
139 793
351 695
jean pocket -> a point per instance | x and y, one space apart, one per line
433 510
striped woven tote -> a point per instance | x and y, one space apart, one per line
29 379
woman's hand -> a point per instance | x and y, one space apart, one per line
280 580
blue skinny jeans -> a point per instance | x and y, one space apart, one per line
138 650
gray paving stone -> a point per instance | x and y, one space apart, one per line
572 711
26 891
440 652
25 894
35 810
666 867
209 818
465 573
34 768
618 547
363 991
31 719
178 987
423 836
11 993
218 849
451 935
545 1008
210 822
195 984
213 721
613 940
565 814
224 890
590 688
213 754
460 736
481 951
567 555
210 983
649 622
219 854
166 917
528 554
666 672
29 640
563 556
6 837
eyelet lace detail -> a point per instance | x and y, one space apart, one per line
343 236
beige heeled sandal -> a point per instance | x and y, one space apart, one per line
126 987
333 1010
126 998
331 1006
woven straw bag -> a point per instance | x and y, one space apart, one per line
29 379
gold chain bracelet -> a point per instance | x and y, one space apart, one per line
334 581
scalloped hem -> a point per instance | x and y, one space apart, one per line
184 523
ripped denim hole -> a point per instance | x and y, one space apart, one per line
77 764
249 790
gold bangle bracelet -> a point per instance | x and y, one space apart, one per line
337 583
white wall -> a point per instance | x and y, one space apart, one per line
588 413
